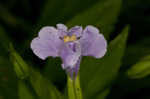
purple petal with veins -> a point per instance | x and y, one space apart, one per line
47 43
93 43
76 30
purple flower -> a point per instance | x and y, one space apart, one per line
70 45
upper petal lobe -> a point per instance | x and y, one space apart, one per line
62 30
93 43
47 43
61 27
76 30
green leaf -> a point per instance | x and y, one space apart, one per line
141 69
103 14
97 74
24 91
8 81
43 88
20 67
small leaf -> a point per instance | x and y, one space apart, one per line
96 74
141 69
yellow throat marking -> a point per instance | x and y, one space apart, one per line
69 38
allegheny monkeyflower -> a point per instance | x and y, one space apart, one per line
70 45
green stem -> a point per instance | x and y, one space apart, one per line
74 89
77 87
71 91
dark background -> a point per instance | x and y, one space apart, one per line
21 20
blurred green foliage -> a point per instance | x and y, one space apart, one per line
42 87
140 69
24 76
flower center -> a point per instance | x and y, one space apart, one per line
69 38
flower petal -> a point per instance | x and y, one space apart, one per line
73 72
62 30
47 43
93 43
61 27
70 54
77 66
77 30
